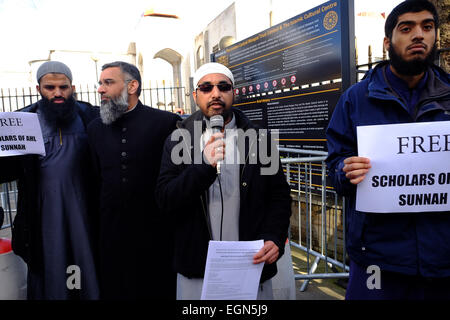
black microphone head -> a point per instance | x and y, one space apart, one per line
216 121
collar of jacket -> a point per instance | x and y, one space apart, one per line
119 122
129 113
437 86
242 122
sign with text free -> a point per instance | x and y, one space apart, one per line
20 133
410 167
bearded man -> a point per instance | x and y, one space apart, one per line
135 236
411 251
52 230
220 190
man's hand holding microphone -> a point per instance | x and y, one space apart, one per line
214 151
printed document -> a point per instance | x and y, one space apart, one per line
230 273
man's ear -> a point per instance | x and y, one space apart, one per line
194 95
133 85
38 89
386 43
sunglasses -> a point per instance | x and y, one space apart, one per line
207 87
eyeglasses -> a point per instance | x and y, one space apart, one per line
110 82
207 87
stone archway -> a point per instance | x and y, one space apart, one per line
226 42
174 58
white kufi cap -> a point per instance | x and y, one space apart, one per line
212 67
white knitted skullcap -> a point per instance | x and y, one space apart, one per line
212 67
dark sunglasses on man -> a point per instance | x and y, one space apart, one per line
207 87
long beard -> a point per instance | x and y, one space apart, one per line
114 108
58 114
413 67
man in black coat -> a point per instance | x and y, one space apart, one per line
127 142
246 201
53 230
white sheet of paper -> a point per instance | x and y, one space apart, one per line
407 174
20 133
230 273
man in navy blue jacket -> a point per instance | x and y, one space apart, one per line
412 250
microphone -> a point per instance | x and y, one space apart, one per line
216 123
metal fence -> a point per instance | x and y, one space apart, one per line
160 97
8 201
318 226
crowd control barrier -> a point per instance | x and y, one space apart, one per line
318 225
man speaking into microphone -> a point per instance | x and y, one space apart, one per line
217 192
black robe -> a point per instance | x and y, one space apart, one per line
135 237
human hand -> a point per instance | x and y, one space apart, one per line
268 253
355 168
214 149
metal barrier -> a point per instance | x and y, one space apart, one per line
306 190
8 201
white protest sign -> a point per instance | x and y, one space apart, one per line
410 167
20 133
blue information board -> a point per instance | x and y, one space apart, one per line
289 77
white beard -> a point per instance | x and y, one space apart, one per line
114 108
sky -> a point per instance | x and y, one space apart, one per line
30 28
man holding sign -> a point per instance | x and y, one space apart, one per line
52 228
402 253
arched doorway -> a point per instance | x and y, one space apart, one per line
174 58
